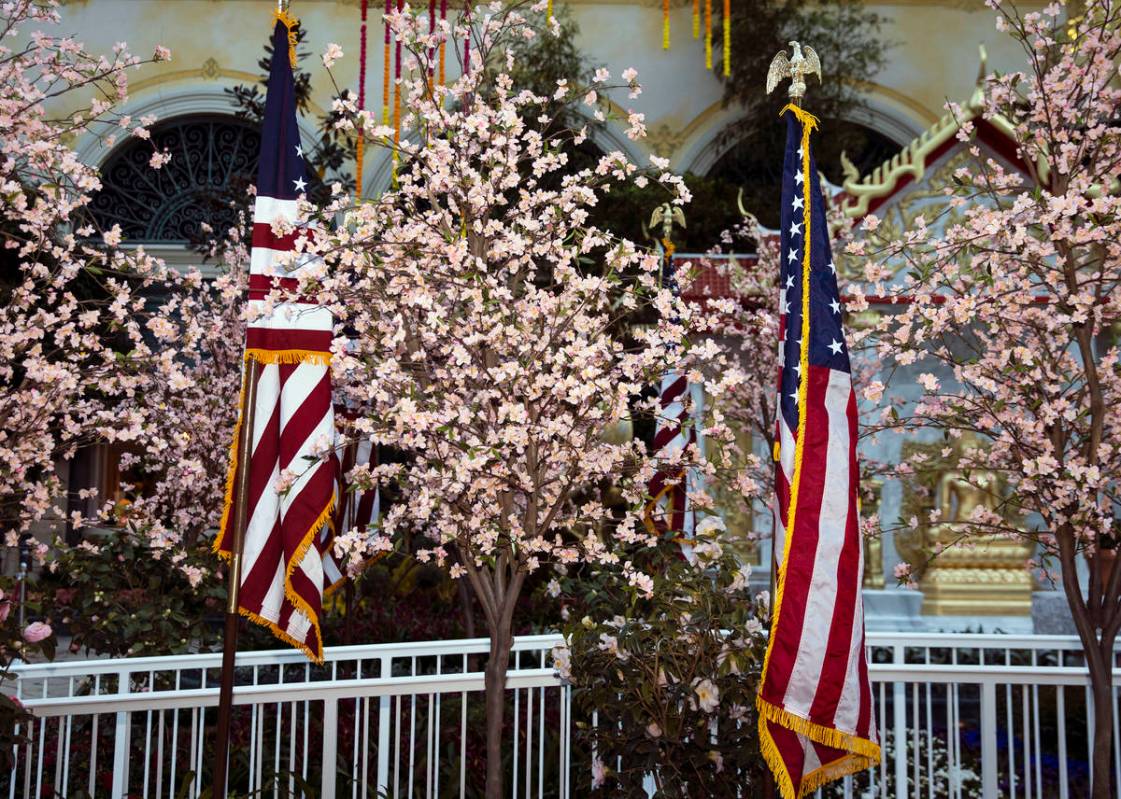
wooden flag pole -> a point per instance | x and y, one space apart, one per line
233 579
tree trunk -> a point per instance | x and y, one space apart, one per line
1088 618
501 642
1102 689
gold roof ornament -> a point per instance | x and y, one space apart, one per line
804 62
912 161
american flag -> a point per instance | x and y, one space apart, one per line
287 537
670 511
358 509
815 701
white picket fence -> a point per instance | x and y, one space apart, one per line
979 716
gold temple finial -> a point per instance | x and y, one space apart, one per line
804 62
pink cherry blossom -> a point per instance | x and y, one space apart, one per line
36 632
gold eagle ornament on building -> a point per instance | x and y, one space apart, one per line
804 62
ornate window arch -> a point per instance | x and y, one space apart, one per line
756 164
213 161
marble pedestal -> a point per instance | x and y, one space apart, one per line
1050 614
893 611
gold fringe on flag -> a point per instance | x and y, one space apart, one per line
289 356
291 23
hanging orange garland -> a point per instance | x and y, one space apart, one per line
727 30
397 100
361 145
444 40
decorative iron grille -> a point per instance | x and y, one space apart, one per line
213 164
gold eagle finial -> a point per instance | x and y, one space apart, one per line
804 62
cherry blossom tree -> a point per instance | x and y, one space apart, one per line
1012 308
73 340
488 343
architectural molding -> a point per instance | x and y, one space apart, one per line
186 100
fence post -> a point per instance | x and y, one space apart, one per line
330 746
383 731
121 742
988 741
899 722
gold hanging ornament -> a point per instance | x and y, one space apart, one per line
727 38
708 34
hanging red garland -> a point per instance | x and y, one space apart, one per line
361 146
385 65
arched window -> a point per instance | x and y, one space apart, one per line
755 164
213 164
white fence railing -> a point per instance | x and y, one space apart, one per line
978 716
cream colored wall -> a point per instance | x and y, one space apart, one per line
216 44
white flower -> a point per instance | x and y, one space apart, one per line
708 550
332 54
708 695
599 773
562 662
709 525
553 589
610 645
740 578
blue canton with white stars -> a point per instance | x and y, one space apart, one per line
827 340
284 178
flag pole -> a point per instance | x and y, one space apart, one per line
796 68
233 579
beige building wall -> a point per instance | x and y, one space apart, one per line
216 45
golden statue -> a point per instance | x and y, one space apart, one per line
973 575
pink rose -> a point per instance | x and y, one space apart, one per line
36 632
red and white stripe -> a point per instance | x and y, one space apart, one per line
286 565
820 674
670 511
